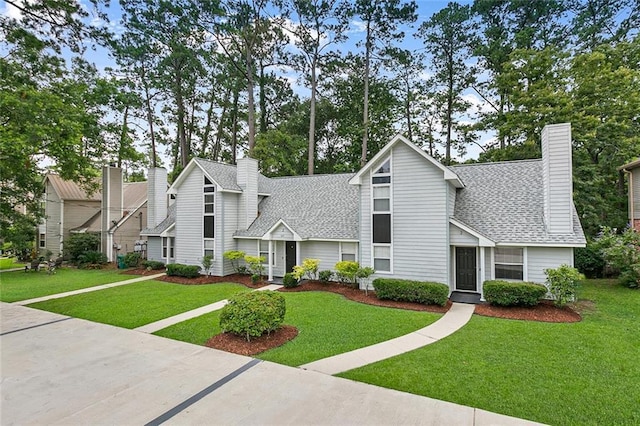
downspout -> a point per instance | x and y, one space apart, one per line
61 226
631 205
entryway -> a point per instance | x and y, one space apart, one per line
290 255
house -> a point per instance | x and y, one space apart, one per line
69 209
404 214
632 170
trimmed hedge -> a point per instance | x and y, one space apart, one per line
132 260
289 280
153 265
180 270
411 291
253 314
508 293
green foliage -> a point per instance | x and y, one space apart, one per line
253 314
132 260
427 293
281 154
207 264
255 278
234 256
255 264
589 260
622 253
180 270
289 280
347 271
154 265
508 293
309 269
91 260
325 276
18 236
563 284
77 244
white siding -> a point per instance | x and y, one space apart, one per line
488 263
451 200
541 258
228 222
557 179
282 233
459 237
327 251
419 215
365 221
53 213
154 249
634 192
189 219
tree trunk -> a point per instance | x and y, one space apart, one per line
312 121
234 127
123 134
182 137
207 127
263 101
407 111
365 109
216 145
251 115
147 101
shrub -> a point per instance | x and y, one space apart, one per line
325 276
363 275
589 260
255 264
563 284
207 263
508 293
91 260
622 253
235 256
255 278
411 291
289 280
132 260
253 314
347 271
78 244
153 265
308 269
180 270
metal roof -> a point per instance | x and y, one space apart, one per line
69 190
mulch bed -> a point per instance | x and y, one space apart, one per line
238 345
204 279
142 271
545 311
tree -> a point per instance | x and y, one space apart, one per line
280 154
381 20
447 38
598 22
321 23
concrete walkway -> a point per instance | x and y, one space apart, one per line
61 370
164 323
12 270
87 290
457 316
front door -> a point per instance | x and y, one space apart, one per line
290 254
466 268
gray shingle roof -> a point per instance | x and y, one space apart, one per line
504 201
226 175
319 206
164 225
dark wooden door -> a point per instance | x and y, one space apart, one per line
290 254
466 268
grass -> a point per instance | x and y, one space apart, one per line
8 263
328 324
20 285
562 374
133 305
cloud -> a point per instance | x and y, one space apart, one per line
11 12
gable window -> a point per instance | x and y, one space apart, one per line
348 251
167 244
381 217
209 219
509 263
264 252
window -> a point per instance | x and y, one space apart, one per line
168 242
209 218
264 251
509 263
348 251
43 241
381 217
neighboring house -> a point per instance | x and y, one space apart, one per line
632 169
69 209
403 213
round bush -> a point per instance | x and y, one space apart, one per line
508 293
289 281
253 314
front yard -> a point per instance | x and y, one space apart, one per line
580 373
20 285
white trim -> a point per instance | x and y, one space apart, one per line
372 213
173 189
298 251
167 233
340 250
482 240
270 260
525 264
482 275
455 271
521 244
267 235
448 174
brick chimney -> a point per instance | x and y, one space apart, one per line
156 196
557 178
111 206
247 178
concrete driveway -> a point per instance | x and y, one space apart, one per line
61 370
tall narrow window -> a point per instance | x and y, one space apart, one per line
43 241
264 252
209 221
381 217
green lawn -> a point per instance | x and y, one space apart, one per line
20 285
9 263
133 305
578 374
328 324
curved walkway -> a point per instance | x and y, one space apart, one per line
453 320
